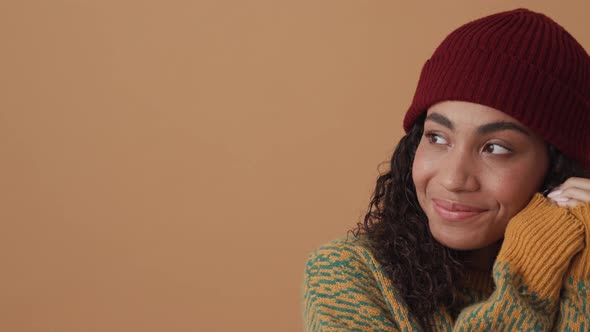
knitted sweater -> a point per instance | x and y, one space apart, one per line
540 282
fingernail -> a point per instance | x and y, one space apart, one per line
555 193
560 199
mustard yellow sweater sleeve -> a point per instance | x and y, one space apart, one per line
539 245
574 310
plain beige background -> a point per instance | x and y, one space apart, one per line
168 165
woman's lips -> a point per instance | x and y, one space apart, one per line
455 211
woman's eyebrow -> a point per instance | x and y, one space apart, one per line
441 120
481 130
499 126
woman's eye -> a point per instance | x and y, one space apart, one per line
435 139
496 149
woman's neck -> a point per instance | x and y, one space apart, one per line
481 259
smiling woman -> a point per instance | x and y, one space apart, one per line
483 220
475 169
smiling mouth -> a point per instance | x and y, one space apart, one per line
453 211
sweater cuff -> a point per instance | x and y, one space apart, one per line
539 243
580 268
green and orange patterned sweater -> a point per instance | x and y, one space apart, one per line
540 282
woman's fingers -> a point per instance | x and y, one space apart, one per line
579 194
582 183
570 203
572 192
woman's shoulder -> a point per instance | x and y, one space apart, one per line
350 255
344 281
349 246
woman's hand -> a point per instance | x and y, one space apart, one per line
573 192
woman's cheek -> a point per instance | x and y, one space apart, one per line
512 188
424 161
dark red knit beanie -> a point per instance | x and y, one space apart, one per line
522 63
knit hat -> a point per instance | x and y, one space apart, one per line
522 63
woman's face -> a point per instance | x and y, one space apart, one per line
474 169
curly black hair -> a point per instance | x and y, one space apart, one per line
425 272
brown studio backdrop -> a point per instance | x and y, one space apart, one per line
168 165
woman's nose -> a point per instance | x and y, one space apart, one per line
459 172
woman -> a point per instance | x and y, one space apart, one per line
483 221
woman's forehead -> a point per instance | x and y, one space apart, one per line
467 112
